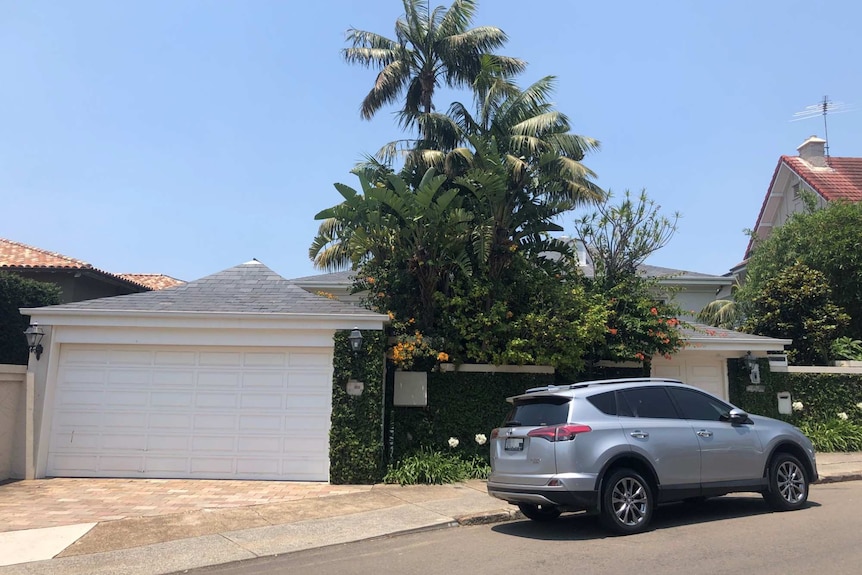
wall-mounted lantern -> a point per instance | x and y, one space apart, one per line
34 335
354 387
355 339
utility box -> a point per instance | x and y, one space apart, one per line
411 389
785 405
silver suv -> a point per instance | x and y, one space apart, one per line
619 447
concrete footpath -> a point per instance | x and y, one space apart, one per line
159 544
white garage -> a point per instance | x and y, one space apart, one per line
228 377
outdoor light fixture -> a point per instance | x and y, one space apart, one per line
34 335
355 339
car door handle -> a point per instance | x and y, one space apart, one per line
704 433
639 434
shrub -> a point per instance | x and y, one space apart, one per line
428 466
846 348
833 434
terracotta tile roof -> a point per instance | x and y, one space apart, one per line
153 281
15 255
842 180
18 255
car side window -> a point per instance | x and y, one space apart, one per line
649 402
604 402
697 405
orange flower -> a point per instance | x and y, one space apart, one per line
653 311
639 356
369 279
442 356
612 330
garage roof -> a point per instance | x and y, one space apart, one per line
249 288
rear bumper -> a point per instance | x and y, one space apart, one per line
570 500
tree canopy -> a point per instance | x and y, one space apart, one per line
457 242
429 47
828 240
17 292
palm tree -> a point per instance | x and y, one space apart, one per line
429 47
516 135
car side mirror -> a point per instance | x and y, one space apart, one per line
738 416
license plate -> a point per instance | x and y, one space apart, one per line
514 444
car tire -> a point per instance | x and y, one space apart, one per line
788 483
627 502
540 513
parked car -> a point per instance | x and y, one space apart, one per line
620 447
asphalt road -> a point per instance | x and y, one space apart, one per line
735 534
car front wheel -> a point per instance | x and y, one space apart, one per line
627 502
788 483
539 512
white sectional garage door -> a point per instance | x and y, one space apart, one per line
196 412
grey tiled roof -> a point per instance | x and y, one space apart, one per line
342 277
247 288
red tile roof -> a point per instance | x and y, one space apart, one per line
18 255
154 281
15 255
842 180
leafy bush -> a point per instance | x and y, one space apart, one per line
833 434
17 292
429 466
846 348
477 467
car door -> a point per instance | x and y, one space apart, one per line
728 452
654 428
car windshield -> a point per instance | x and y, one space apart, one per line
535 411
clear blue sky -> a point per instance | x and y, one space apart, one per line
185 137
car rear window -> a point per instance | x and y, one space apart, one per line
537 411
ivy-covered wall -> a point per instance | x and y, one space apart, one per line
460 405
356 435
823 395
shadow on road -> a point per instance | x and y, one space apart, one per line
583 527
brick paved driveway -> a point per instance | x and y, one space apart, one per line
62 501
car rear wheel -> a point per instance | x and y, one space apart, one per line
788 483
539 512
627 502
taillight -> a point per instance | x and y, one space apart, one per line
565 432
495 433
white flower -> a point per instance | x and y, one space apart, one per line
481 439
453 442
842 416
859 405
797 406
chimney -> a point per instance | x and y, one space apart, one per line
812 151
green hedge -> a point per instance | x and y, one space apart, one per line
460 405
356 435
823 395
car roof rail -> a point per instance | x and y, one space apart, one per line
554 387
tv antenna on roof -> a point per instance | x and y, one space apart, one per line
827 106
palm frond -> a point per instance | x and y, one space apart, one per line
389 82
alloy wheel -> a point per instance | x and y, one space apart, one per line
791 481
630 501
